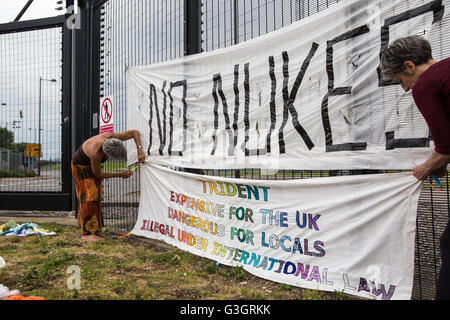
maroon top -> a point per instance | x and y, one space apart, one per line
432 96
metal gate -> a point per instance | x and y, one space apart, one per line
35 58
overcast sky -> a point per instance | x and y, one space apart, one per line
9 9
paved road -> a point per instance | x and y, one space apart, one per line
68 221
48 181
114 190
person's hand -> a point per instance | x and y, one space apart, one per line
126 174
436 164
141 155
421 172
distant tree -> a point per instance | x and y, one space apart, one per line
6 138
18 147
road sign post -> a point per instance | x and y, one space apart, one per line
33 150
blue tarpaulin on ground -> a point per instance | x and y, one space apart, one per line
23 230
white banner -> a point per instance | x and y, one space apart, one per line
353 234
307 96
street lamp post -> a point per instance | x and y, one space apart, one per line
6 123
40 107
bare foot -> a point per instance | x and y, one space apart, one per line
91 237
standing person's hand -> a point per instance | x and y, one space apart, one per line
421 172
436 164
126 174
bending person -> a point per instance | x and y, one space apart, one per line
409 61
88 175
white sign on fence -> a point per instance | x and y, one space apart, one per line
353 234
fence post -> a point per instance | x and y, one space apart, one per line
192 27
192 37
78 66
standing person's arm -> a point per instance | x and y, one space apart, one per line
432 107
98 173
436 163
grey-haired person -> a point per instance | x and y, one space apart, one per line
409 61
88 175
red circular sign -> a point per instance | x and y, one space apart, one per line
106 110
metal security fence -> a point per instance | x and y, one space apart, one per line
34 136
134 32
30 77
228 22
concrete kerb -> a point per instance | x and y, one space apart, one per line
63 218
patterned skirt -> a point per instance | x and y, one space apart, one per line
89 193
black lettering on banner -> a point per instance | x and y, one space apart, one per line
236 104
392 143
154 103
332 91
437 9
217 87
246 115
216 114
273 115
181 83
289 99
247 151
163 143
434 6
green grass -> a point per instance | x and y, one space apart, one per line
131 269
